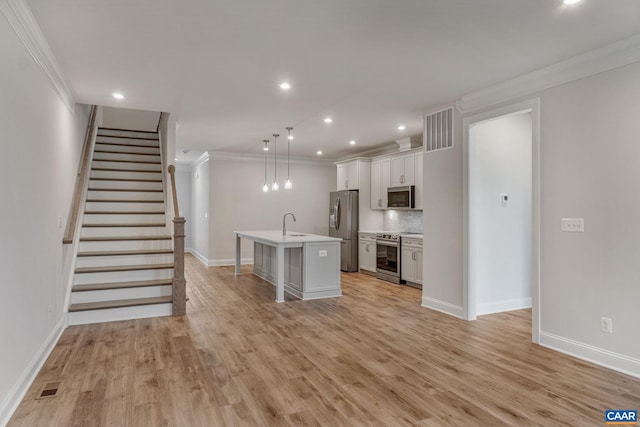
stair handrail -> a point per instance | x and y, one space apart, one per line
179 283
81 180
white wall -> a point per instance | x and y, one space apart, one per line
126 118
238 203
500 242
442 219
588 168
184 190
199 216
41 145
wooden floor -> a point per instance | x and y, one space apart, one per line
372 357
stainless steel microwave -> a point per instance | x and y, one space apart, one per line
401 197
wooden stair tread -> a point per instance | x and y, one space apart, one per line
131 153
118 238
123 201
124 170
143 162
145 138
131 190
144 224
113 268
133 252
123 213
121 285
124 179
120 144
103 305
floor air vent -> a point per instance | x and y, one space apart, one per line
49 390
438 130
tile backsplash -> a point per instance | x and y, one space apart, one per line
408 221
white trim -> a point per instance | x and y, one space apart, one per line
20 388
198 256
469 301
27 29
230 261
606 58
609 359
504 305
443 307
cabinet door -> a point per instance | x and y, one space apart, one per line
418 181
353 181
362 253
418 260
342 177
407 265
376 185
403 170
408 177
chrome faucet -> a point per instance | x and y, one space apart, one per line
284 224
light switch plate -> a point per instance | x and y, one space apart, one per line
322 253
572 225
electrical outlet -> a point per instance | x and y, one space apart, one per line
606 325
322 253
572 225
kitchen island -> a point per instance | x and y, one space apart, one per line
304 265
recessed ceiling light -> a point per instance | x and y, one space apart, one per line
570 1
402 127
117 95
319 152
285 86
328 120
290 137
352 142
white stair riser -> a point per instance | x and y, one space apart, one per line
128 141
125 166
122 231
125 207
127 175
125 245
121 132
122 276
125 185
120 294
115 314
127 148
124 219
126 157
124 195
113 260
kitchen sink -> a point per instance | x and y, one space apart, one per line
296 235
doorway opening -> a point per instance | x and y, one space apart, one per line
501 212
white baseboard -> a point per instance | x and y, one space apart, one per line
617 362
501 306
198 256
443 307
20 388
230 261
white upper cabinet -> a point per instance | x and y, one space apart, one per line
418 181
380 181
403 170
348 176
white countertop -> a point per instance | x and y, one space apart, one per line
275 237
412 236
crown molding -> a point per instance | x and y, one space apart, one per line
232 155
28 31
615 55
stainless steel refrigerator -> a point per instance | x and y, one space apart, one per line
343 223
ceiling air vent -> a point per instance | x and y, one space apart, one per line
438 130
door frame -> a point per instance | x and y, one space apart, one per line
469 292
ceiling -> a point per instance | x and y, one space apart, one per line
371 65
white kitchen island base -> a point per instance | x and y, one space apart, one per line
304 265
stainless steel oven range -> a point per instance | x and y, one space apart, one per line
388 257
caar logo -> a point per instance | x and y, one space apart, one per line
621 417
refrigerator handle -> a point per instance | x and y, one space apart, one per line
336 209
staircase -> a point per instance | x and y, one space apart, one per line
124 265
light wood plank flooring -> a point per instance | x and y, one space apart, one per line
372 357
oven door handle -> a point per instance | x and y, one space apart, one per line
388 244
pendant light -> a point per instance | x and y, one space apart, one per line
274 186
287 184
265 187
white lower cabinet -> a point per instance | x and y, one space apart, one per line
411 268
367 252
